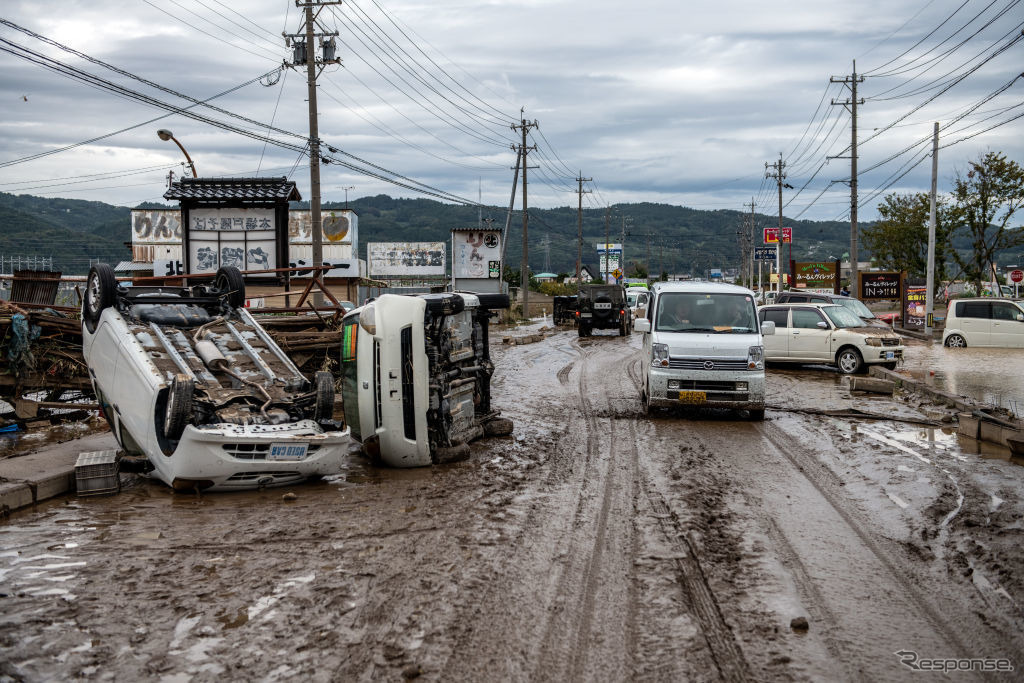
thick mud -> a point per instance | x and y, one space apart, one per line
593 544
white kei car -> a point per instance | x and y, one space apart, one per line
830 334
189 379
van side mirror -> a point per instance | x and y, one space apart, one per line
822 325
642 325
1020 317
767 328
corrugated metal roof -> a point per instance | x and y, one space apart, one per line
252 189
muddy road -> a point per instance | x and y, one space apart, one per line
594 544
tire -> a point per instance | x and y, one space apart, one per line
956 341
889 366
493 301
229 282
178 413
756 414
645 402
849 361
100 293
622 328
444 304
584 331
323 383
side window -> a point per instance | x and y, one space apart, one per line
1003 311
973 309
818 300
796 299
779 316
806 318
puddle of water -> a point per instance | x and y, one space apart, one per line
990 375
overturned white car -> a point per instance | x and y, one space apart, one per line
187 378
416 376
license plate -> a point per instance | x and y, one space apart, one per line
693 397
599 306
889 355
287 451
584 315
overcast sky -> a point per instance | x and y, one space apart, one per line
673 102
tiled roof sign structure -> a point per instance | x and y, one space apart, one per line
246 189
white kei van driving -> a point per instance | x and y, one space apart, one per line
703 347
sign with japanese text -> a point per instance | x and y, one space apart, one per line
878 285
815 275
764 253
245 238
771 235
787 235
914 305
398 259
472 252
609 257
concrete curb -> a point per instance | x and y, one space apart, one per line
29 479
913 333
961 403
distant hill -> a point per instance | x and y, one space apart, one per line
681 239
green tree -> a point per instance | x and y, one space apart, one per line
899 241
985 199
511 276
637 270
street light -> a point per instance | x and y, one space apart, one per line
166 135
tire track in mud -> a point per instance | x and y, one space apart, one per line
897 602
584 590
718 636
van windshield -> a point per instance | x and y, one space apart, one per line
705 312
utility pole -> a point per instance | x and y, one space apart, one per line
622 255
303 54
929 306
524 267
753 243
607 254
778 173
579 223
851 104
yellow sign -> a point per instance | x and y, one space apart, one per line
617 273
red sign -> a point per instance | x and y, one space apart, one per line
1016 275
771 235
787 234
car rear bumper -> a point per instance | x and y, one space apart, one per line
225 457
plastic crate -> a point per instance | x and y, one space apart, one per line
96 473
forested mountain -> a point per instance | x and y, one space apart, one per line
678 239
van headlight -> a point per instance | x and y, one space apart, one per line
755 358
368 319
660 353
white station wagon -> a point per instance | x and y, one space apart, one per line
829 334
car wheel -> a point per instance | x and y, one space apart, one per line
229 282
100 293
889 366
756 414
956 341
584 331
444 304
622 329
849 361
324 384
179 406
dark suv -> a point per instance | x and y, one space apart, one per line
603 307
855 305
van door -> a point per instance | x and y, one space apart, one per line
975 321
1007 331
776 346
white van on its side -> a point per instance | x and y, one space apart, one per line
703 346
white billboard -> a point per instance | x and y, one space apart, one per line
396 259
340 229
476 254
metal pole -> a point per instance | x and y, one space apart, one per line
524 269
316 224
853 177
929 306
